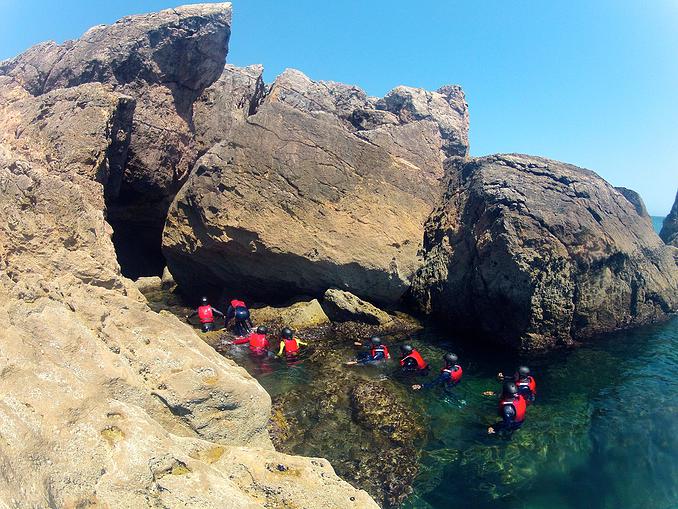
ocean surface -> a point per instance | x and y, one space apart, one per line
602 434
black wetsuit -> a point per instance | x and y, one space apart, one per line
243 323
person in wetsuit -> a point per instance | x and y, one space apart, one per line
289 345
512 410
449 376
378 352
412 362
237 309
257 341
527 386
206 315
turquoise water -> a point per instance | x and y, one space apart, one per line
602 434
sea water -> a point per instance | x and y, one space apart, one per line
603 432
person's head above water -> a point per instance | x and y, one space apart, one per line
204 300
375 340
406 349
287 333
509 390
262 329
524 371
450 358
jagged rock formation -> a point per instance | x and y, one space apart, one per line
537 253
297 199
105 402
669 233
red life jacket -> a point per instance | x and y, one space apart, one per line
237 304
205 314
380 348
421 364
527 382
258 342
518 403
455 374
291 346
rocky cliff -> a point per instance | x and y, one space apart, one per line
536 253
669 233
314 185
105 402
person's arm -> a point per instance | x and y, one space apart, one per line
282 347
300 342
241 341
508 414
215 310
188 317
368 358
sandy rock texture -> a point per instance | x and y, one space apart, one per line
669 233
104 402
536 253
298 197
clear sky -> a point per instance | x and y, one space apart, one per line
591 82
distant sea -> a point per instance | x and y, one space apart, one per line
657 222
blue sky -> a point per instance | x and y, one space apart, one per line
594 83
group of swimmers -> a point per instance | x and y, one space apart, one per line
518 391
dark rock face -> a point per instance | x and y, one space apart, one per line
669 233
297 198
164 60
636 201
537 253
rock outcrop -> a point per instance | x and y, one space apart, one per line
669 233
537 253
299 197
300 315
105 402
636 201
343 306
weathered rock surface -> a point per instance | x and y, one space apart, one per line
636 201
164 60
294 204
300 315
537 253
343 306
669 233
105 402
228 101
148 284
167 280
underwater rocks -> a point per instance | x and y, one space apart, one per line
163 60
343 306
669 233
536 253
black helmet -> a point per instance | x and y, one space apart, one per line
262 329
204 300
375 340
406 348
287 333
510 389
450 358
524 371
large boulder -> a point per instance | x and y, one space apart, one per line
343 306
105 402
669 233
293 204
164 60
537 253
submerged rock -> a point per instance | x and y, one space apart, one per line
343 306
669 233
536 253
